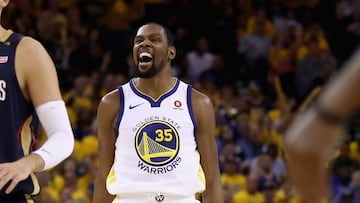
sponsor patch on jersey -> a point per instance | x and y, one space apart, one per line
4 59
157 145
178 105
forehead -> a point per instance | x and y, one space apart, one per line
150 30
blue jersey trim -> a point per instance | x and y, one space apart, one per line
189 104
121 109
154 103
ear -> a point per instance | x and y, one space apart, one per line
172 52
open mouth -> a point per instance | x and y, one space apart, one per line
145 58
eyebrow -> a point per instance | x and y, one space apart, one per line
150 35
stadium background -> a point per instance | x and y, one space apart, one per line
260 61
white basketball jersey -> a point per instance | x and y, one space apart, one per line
155 150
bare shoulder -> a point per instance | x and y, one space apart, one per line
31 56
110 98
30 44
110 103
200 100
36 72
31 50
202 107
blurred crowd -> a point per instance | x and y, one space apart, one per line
260 61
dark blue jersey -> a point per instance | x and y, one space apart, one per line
18 122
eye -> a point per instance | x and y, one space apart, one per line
138 41
156 40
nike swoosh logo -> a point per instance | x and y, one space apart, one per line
131 107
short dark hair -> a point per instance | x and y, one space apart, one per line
169 35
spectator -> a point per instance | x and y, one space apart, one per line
199 59
251 194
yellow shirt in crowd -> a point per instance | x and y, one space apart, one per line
245 197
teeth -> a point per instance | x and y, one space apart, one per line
145 54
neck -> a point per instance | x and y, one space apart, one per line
2 30
155 86
4 34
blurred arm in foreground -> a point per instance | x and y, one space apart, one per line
314 135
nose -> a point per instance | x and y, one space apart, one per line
145 43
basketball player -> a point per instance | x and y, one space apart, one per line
29 92
156 133
314 135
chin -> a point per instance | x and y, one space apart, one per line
143 68
147 72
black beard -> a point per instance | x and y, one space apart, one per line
149 73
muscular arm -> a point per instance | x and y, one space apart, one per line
311 139
341 96
106 115
38 81
205 137
36 72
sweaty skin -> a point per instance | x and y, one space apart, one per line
151 38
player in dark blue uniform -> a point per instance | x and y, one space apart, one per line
29 92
